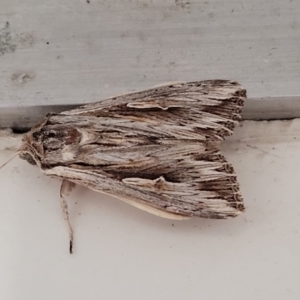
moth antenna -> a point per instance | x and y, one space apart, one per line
3 165
15 138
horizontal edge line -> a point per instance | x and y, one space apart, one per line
272 108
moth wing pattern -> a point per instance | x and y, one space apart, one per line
157 149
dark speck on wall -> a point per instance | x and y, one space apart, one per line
6 42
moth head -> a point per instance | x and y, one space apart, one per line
45 138
25 152
30 150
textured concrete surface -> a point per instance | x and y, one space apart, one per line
72 52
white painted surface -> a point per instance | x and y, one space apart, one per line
124 253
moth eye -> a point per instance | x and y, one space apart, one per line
51 134
27 157
36 136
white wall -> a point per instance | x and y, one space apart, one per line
121 252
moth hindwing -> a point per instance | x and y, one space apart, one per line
157 149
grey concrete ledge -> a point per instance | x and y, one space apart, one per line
22 118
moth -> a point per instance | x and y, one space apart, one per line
155 149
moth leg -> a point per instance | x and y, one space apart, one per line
66 187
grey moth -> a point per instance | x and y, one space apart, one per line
157 149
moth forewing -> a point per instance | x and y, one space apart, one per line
156 149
